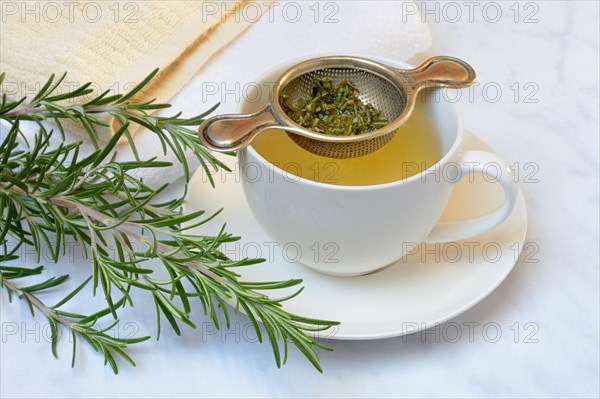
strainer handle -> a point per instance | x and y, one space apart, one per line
441 71
233 131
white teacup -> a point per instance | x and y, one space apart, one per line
354 230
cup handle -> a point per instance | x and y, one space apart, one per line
479 161
231 132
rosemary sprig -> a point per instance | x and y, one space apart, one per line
174 132
78 325
50 195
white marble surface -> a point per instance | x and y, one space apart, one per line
557 136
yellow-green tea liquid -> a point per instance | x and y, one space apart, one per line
413 149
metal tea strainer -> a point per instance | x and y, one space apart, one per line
391 90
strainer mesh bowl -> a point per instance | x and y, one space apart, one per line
380 92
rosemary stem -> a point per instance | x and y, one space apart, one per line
25 111
34 300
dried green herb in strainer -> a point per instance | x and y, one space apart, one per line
334 109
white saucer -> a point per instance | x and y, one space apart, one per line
431 285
